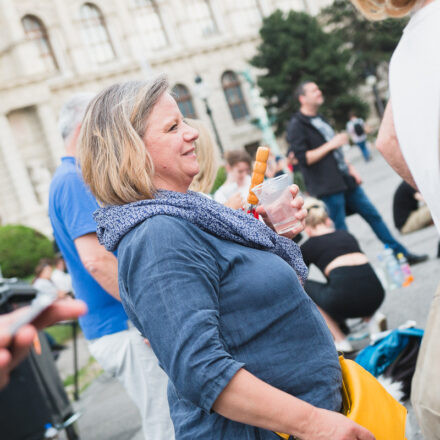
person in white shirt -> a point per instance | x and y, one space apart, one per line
409 139
61 279
357 129
234 191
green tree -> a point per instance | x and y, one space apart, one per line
21 248
371 42
295 48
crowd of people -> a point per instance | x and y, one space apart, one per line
204 313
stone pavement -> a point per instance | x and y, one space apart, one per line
107 412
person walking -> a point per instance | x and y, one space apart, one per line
112 339
410 142
357 130
327 174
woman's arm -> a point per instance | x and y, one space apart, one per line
249 400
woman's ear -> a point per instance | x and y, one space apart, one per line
329 223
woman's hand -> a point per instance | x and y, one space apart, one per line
300 215
235 201
326 425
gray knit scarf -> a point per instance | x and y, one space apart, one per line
225 223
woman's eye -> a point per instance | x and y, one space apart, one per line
173 127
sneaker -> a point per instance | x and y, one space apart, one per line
344 346
377 324
416 259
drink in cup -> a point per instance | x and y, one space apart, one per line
274 195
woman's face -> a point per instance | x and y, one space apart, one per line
170 143
239 171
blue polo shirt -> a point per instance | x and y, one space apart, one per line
71 206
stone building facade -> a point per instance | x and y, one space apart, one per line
51 49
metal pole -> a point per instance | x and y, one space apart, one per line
214 127
75 362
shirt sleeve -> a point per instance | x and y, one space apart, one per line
77 206
297 141
173 285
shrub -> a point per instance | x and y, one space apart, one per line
21 248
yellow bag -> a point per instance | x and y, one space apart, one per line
366 402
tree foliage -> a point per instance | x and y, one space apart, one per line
21 248
371 42
295 48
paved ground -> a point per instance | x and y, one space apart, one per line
108 414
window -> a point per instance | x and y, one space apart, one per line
94 33
201 17
184 100
36 32
249 13
149 23
234 96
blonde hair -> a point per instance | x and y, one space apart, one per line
206 150
316 212
379 9
112 155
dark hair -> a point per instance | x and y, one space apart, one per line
236 156
300 89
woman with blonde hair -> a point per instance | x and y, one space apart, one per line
207 157
352 289
410 142
217 293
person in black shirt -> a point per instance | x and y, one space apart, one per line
408 215
352 289
327 174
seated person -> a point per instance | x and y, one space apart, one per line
234 191
352 289
409 216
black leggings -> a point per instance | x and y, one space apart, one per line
351 292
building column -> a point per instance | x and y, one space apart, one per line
17 171
50 130
74 46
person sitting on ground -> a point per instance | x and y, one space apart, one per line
233 193
352 289
217 292
42 280
409 215
207 157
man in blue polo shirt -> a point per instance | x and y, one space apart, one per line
113 341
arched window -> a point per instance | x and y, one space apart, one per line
184 100
36 32
94 33
250 13
234 96
149 23
201 16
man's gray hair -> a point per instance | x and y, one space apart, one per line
72 113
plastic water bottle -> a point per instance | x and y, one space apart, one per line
408 277
393 272
50 432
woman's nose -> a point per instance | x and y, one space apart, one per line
190 134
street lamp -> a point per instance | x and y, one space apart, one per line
201 91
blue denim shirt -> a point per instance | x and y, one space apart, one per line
210 307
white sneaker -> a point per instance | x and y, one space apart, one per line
377 324
344 346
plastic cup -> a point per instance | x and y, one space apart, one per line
274 195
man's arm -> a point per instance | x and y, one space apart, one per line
389 147
315 155
101 264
